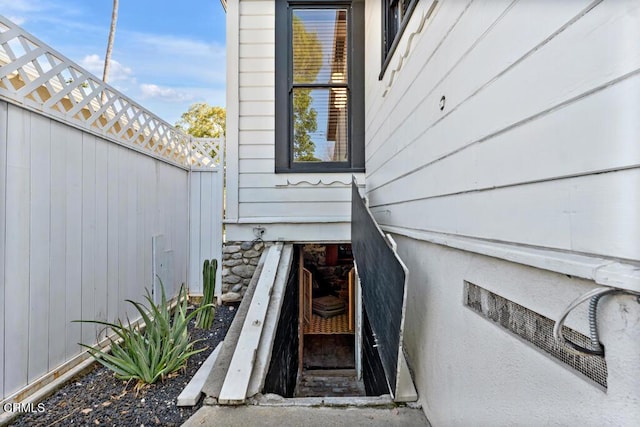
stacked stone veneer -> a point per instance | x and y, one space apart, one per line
239 261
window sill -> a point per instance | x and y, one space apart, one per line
324 168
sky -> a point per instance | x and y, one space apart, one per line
167 55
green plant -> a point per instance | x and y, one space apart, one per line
205 317
162 348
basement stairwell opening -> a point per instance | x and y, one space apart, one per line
314 353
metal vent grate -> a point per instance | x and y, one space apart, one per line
536 329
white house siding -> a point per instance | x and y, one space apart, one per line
78 214
292 207
534 159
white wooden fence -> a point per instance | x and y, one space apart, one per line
97 196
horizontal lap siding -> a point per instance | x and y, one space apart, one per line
537 143
78 214
261 192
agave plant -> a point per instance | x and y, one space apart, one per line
148 355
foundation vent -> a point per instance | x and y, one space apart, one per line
535 329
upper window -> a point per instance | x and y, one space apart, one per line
319 86
395 15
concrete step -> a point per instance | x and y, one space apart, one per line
336 382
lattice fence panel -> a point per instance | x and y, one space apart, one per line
34 75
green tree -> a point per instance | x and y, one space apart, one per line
307 60
203 121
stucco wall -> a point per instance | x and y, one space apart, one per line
471 371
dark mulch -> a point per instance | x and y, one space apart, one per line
98 398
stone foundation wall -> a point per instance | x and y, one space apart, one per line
239 261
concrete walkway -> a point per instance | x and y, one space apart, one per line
291 416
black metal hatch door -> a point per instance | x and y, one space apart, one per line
383 279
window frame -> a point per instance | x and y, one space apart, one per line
388 49
284 83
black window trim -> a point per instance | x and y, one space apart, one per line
283 153
388 54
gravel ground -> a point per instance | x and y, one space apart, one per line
98 398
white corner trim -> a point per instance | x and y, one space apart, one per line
606 272
289 220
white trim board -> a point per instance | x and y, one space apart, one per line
607 272
236 383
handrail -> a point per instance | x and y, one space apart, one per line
35 76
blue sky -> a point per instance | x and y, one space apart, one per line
167 55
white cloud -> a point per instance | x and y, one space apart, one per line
168 57
22 6
152 91
18 20
117 72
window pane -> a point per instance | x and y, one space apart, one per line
320 124
319 46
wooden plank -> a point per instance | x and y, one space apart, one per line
591 214
218 217
307 294
252 109
294 208
123 251
73 243
190 395
297 194
135 289
102 231
258 151
206 218
195 259
17 248
112 233
603 138
142 245
89 227
256 22
301 321
255 51
39 246
3 212
265 348
182 225
259 122
257 65
257 93
358 323
58 245
257 8
234 389
158 245
149 194
257 137
256 165
257 36
248 78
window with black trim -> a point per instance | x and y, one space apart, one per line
395 15
319 86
